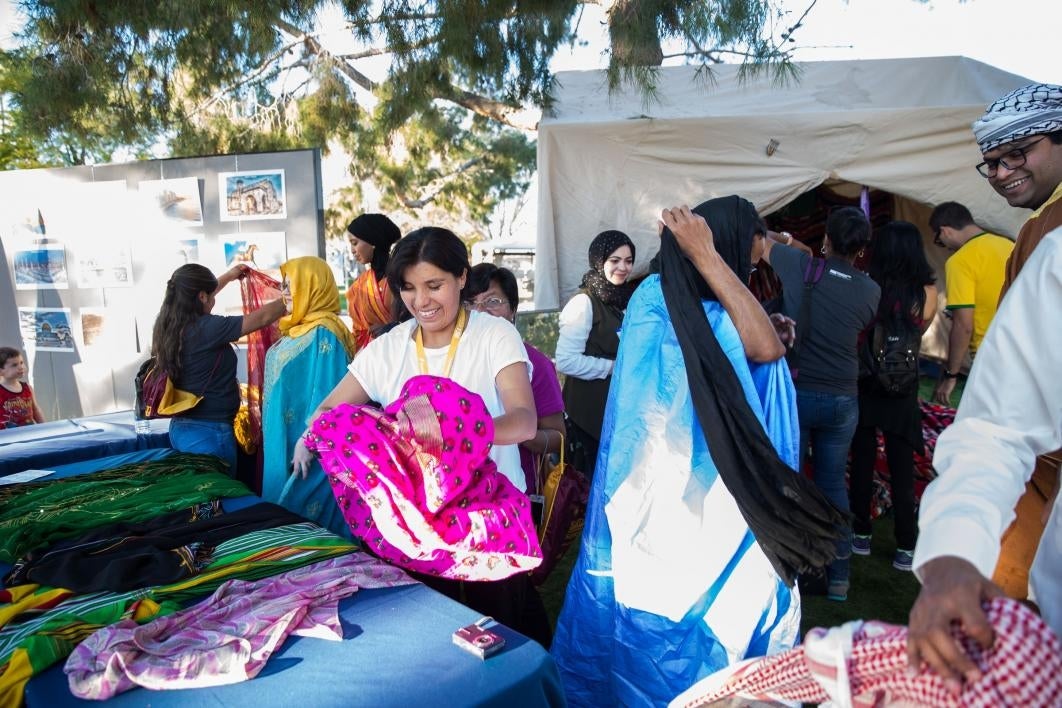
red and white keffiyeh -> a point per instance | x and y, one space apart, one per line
864 664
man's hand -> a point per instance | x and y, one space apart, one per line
942 393
692 233
785 327
952 592
301 459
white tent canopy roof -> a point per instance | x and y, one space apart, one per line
899 125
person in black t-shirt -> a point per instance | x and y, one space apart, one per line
842 304
194 348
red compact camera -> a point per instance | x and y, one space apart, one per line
477 640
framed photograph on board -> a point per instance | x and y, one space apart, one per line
252 195
177 199
46 329
263 250
41 267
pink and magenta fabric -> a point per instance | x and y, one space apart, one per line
228 637
415 483
864 665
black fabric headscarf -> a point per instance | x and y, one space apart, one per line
382 233
794 524
595 282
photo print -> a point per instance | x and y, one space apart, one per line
176 199
46 329
106 268
41 267
265 250
252 195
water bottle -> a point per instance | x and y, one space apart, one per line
142 426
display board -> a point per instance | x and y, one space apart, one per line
88 251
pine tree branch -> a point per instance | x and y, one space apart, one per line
436 186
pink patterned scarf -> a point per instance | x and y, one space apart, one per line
415 482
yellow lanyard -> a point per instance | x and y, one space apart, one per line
422 358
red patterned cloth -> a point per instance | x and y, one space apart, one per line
935 419
863 665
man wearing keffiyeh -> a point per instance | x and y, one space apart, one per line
981 464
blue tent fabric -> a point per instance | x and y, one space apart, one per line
670 584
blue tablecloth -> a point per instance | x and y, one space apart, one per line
397 650
49 445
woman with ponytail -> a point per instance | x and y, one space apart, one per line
194 348
697 523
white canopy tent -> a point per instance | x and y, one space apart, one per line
898 125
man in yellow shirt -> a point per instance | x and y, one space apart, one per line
974 275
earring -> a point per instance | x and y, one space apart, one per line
823 249
860 254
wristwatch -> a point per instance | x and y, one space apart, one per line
950 375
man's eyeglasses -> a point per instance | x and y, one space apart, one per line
491 303
1012 160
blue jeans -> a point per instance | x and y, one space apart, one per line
210 437
827 423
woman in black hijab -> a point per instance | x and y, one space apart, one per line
369 300
697 522
589 338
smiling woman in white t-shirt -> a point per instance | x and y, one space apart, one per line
428 270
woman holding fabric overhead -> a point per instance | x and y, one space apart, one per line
369 300
194 348
589 338
840 302
420 367
697 522
300 370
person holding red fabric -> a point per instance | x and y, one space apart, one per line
17 404
369 300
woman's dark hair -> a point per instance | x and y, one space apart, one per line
898 265
180 308
848 229
7 354
429 244
794 524
483 274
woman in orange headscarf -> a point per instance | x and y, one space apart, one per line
301 368
369 300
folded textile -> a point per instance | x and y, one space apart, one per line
864 664
416 483
162 550
38 514
46 629
228 637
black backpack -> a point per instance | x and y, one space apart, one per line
893 360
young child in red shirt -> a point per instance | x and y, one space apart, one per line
17 405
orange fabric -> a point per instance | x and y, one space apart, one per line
1020 541
369 304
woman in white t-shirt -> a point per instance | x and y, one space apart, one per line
428 270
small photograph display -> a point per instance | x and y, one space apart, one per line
41 267
177 199
46 329
106 268
252 195
265 250
188 249
107 329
